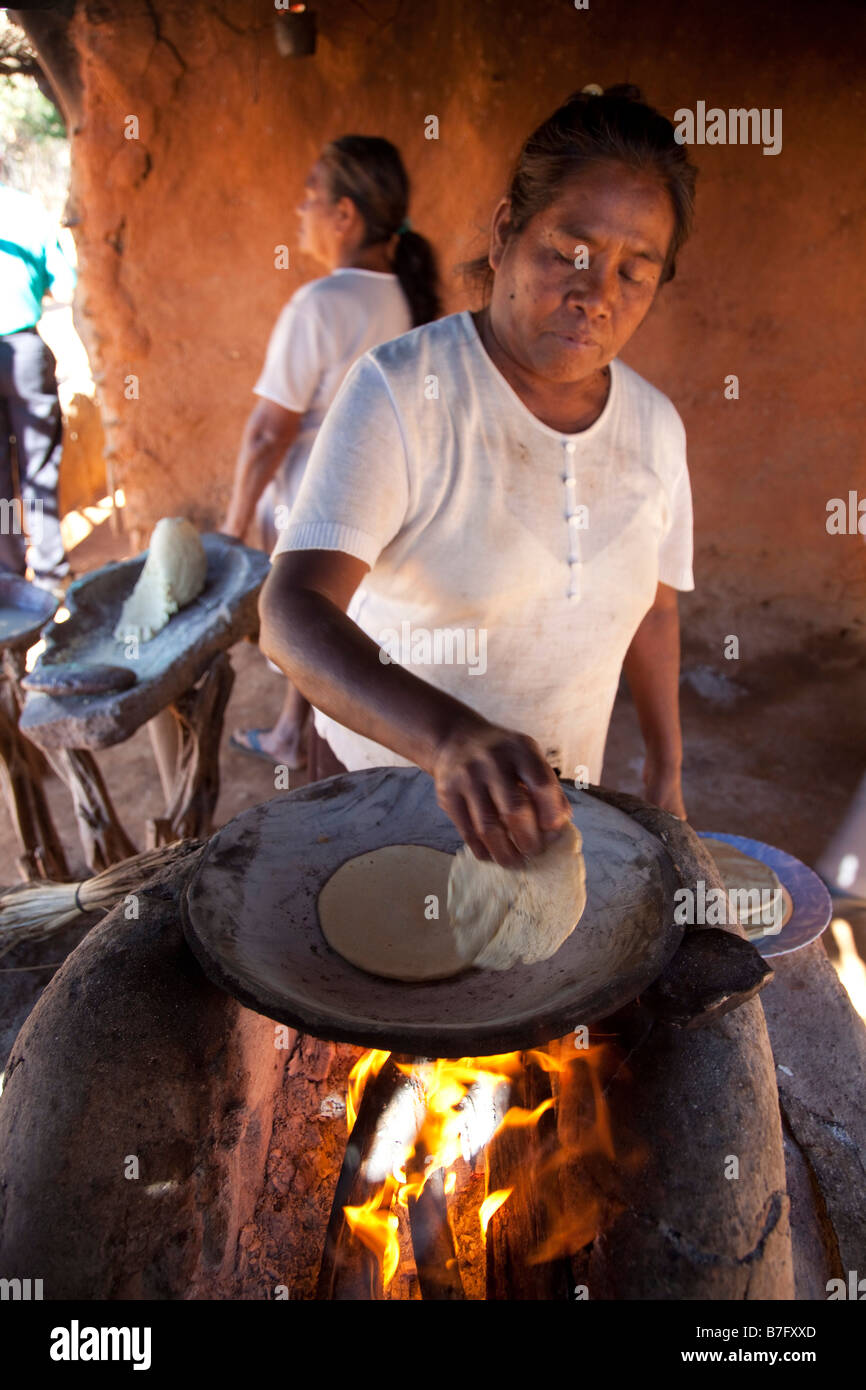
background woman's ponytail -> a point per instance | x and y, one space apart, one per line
415 268
369 170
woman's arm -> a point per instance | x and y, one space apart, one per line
652 669
494 783
268 433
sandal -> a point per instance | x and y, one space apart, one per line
255 750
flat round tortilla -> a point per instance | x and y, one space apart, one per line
377 911
740 871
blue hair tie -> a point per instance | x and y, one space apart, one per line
405 226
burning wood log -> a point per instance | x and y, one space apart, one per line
522 1227
433 1239
350 1269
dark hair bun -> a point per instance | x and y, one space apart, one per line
621 91
626 91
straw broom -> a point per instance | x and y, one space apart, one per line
33 911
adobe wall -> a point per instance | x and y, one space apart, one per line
176 234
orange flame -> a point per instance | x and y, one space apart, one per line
518 1116
439 1143
490 1205
376 1226
364 1069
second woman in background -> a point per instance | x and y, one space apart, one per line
382 281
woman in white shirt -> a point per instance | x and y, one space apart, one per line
497 515
382 281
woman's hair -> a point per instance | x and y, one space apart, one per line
369 170
615 125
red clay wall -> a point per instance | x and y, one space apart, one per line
177 232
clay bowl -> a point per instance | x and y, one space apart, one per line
250 917
24 611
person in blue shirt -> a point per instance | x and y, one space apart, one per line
32 264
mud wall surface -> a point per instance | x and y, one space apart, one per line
177 229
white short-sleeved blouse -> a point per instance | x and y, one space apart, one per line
325 327
511 563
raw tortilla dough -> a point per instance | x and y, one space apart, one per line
742 871
503 916
173 575
374 911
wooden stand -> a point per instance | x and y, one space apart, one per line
103 838
22 769
192 785
183 681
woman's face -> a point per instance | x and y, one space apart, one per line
318 229
561 312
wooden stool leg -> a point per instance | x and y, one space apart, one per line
165 741
21 769
199 719
103 838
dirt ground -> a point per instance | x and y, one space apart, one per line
775 753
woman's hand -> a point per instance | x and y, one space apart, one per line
499 791
663 787
269 431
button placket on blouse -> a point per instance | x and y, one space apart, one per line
572 517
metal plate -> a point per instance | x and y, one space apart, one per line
813 907
250 917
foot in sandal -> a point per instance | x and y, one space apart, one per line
267 745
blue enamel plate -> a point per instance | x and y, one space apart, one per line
812 907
